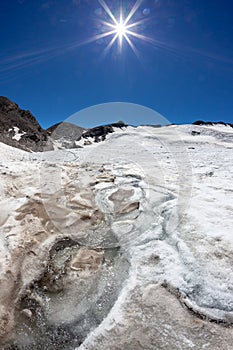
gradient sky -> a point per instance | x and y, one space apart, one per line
184 72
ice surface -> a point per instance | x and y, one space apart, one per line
153 207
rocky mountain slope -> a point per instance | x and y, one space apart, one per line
121 244
20 129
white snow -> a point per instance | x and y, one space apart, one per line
17 136
184 186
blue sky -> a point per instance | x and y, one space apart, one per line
184 72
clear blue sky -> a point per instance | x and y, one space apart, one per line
185 72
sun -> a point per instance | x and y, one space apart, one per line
121 29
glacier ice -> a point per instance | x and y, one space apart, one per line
122 244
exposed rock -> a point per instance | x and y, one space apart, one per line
66 134
19 128
99 133
201 122
87 143
195 133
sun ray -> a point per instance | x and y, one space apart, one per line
99 36
132 12
135 24
106 50
132 46
139 36
111 25
108 11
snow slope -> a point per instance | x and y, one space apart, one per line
124 244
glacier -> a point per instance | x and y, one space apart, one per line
123 244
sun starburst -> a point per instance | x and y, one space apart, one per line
120 28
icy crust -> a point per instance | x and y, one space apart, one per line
122 245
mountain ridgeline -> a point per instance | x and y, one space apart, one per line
19 128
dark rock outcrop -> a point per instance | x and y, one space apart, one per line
201 122
19 128
99 133
194 133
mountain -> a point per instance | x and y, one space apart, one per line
20 129
124 244
66 135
